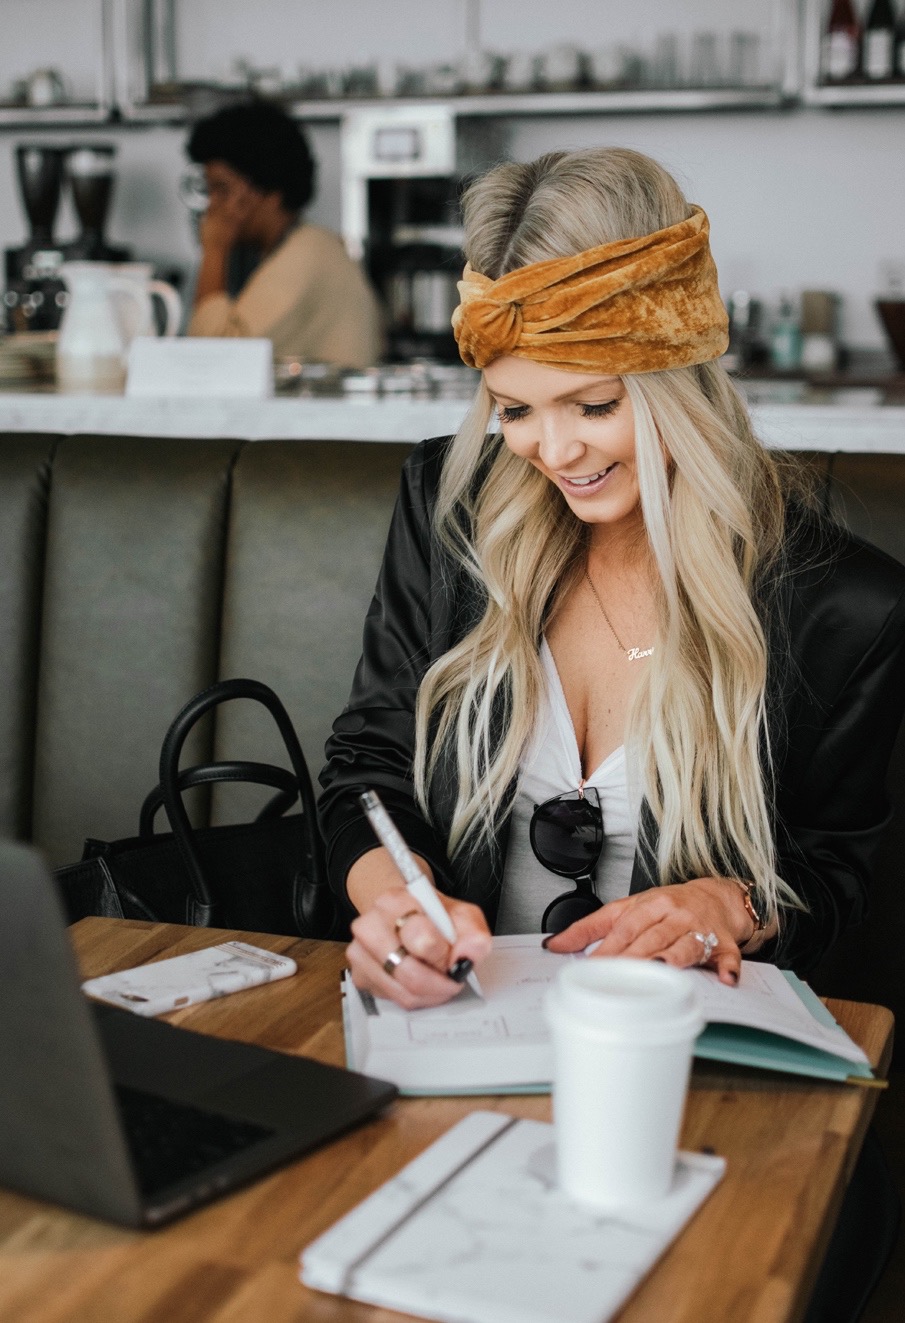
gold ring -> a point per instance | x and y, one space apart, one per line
394 960
403 918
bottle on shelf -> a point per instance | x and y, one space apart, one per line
746 349
878 50
785 337
840 54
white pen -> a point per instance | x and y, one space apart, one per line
417 884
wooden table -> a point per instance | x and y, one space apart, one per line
751 1253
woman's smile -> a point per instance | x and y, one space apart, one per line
588 486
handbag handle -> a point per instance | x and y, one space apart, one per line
261 774
202 901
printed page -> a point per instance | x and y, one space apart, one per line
514 979
764 1000
470 1043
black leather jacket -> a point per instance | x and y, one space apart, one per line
836 692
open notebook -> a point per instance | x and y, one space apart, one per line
501 1044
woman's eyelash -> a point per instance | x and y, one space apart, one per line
512 413
599 410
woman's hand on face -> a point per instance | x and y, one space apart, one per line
660 924
222 223
396 923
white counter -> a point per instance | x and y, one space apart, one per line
852 423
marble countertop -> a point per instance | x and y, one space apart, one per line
850 420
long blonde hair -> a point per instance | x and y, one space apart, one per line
713 511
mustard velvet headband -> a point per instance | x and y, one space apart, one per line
637 305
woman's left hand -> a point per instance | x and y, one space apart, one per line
670 924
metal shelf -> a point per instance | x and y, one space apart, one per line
619 102
856 94
71 116
485 105
503 104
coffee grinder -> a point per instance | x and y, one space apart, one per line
90 172
35 295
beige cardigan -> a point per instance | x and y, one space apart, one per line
308 297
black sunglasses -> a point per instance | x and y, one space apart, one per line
566 835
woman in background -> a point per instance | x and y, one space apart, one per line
303 291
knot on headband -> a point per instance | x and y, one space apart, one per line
488 321
636 305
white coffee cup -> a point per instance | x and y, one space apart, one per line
622 1032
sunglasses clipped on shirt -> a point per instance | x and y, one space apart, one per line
566 835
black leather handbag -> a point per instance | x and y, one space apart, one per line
264 876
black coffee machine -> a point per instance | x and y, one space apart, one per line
414 258
35 295
403 169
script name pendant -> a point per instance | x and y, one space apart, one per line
638 654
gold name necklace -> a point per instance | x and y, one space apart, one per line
633 654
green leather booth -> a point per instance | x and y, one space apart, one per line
136 571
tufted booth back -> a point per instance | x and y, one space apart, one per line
134 572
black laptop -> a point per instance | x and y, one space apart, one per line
128 1118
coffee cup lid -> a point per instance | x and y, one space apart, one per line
617 997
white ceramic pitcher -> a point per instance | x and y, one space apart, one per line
140 275
109 304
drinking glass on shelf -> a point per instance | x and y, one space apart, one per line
360 80
521 70
560 68
606 65
443 79
743 65
409 81
703 63
665 70
482 70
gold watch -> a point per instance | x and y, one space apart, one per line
748 903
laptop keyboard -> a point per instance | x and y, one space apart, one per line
170 1140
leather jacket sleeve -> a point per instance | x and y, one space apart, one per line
840 712
373 739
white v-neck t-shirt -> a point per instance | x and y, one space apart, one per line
551 766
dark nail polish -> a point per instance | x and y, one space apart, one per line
659 959
460 970
547 939
733 976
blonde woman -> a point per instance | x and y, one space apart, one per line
619 683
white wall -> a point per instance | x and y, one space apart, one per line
799 199
804 199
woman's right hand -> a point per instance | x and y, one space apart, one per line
394 922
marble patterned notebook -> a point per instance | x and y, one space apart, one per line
474 1230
